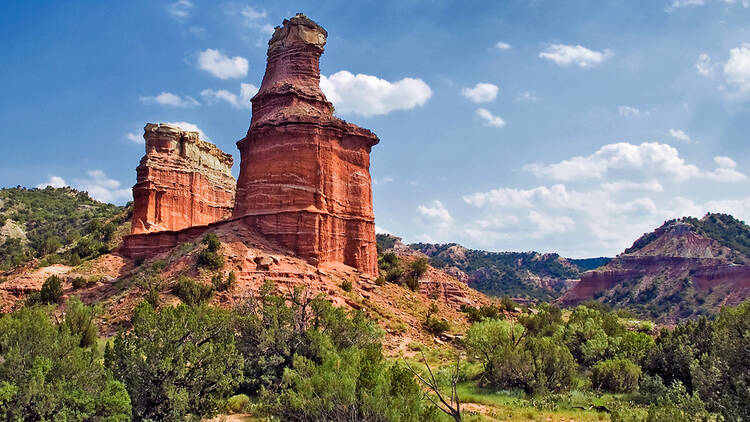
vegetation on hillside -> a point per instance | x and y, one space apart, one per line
296 357
61 225
723 228
503 273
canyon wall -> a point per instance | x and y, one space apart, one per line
304 174
183 181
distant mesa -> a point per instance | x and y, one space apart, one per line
304 178
686 267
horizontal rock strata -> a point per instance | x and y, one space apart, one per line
304 174
183 181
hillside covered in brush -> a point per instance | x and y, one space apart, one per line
530 275
62 225
684 268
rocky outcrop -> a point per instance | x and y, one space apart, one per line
183 181
684 268
304 174
517 274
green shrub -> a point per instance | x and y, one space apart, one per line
380 281
436 326
412 282
210 257
418 267
211 240
151 285
46 376
388 260
179 363
496 345
210 260
158 265
592 335
554 368
51 290
222 285
80 321
677 405
394 274
273 328
481 313
192 292
508 304
616 375
238 404
79 282
651 388
346 285
547 321
352 384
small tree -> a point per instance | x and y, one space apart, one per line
221 285
151 285
452 406
46 376
51 290
192 292
211 240
434 325
80 321
418 267
616 375
179 363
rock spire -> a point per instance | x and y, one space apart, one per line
304 174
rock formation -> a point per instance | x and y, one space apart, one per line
183 181
683 268
304 174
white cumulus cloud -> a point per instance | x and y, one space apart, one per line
190 127
135 138
102 188
247 91
501 45
648 158
677 4
167 98
704 66
565 55
490 119
180 9
680 135
628 111
737 68
54 181
526 96
256 19
369 95
222 66
434 213
481 92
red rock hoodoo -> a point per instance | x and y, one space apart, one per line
183 181
304 174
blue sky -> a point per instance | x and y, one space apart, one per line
569 127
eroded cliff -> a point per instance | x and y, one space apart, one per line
304 174
183 181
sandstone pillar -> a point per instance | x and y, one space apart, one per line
304 174
183 181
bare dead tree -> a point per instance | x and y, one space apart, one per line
452 406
